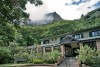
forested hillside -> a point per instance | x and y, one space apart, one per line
29 35
35 33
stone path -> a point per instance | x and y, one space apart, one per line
69 62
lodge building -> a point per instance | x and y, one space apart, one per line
68 43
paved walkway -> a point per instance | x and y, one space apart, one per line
69 62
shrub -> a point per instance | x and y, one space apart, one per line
38 61
5 55
1 43
19 53
87 55
52 57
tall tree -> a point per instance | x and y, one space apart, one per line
11 15
12 10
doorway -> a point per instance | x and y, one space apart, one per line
70 51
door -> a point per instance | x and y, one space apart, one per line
68 51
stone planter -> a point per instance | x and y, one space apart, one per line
83 65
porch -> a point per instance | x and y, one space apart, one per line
69 45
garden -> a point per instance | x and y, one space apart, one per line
89 56
14 55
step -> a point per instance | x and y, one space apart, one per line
69 62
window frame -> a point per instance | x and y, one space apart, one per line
94 33
78 36
46 42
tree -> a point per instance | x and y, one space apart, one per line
19 52
11 15
12 11
7 33
5 55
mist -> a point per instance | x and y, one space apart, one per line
67 9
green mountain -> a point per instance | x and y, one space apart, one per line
93 14
91 19
29 35
36 33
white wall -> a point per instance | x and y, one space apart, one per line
52 42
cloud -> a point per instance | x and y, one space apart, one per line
73 10
97 5
83 7
36 13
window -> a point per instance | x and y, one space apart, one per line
91 44
54 39
94 33
46 42
78 36
57 48
48 49
99 32
61 38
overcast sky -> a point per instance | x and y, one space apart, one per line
67 9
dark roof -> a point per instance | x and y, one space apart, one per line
90 38
49 45
67 40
